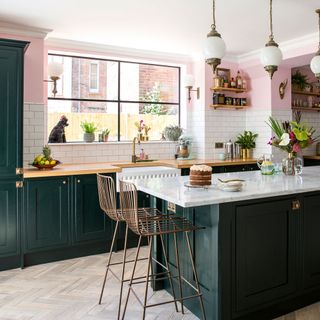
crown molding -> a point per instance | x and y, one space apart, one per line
115 51
286 47
23 30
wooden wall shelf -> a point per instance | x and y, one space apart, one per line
227 89
306 93
226 106
306 109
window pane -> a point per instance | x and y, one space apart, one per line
142 82
86 79
94 77
103 114
132 113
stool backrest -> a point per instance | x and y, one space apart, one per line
107 196
129 205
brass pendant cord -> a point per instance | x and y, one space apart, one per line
319 29
271 26
213 15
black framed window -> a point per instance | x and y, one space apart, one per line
114 94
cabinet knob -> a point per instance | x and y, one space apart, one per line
64 182
78 181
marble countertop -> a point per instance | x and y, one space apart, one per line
256 186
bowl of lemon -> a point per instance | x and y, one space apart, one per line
45 161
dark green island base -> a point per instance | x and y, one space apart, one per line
256 259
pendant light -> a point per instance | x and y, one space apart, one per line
315 62
214 47
271 55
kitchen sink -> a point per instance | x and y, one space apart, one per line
146 173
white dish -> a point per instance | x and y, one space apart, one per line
231 186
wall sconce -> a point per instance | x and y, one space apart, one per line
189 83
55 70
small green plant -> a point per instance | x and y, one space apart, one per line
299 80
105 132
247 140
88 127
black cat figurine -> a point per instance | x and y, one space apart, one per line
57 134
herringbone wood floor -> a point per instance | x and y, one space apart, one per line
69 290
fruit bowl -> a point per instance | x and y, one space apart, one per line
45 166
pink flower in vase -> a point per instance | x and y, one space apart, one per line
296 147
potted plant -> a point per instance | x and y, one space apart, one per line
146 131
172 132
184 143
299 81
247 141
89 128
105 134
139 125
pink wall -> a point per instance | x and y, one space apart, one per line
33 70
281 75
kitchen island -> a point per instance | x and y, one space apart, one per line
259 256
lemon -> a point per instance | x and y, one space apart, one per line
53 162
47 162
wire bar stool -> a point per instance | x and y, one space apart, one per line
151 225
108 203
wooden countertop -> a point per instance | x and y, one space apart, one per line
312 157
116 166
71 169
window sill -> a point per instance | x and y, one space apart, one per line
81 143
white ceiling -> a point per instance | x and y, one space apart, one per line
175 26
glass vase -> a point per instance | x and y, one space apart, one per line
292 165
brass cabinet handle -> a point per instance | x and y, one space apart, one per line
296 205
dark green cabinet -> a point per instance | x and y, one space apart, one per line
11 106
47 213
9 225
11 111
63 219
228 168
311 242
90 221
256 259
265 253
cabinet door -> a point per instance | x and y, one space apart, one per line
265 255
11 82
311 241
9 218
47 213
91 223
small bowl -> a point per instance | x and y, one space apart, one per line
232 186
46 166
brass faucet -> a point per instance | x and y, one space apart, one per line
134 157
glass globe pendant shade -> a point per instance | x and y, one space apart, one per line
271 57
55 69
214 50
315 65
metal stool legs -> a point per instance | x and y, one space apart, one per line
133 273
178 268
109 260
195 275
123 269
